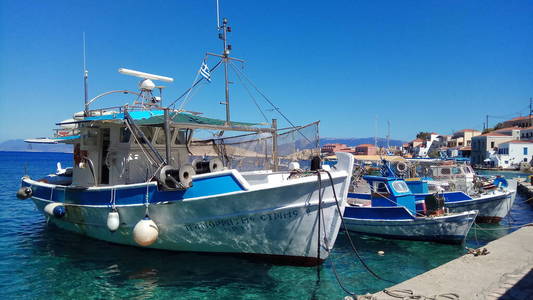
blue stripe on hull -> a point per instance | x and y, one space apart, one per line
202 187
447 239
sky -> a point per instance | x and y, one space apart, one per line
433 66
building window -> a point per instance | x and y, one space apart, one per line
492 144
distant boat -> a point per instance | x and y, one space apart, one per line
390 211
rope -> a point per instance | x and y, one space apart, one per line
325 233
354 249
189 91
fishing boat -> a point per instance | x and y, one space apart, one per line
492 198
390 211
143 176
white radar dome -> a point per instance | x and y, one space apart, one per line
147 84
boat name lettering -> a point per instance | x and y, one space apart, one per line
270 217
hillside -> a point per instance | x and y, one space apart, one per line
382 142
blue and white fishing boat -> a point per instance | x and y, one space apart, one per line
139 178
493 204
390 211
493 200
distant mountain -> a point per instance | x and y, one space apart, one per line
382 142
20 145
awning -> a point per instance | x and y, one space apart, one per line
156 117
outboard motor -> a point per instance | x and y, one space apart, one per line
315 163
434 204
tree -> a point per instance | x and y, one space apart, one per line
423 135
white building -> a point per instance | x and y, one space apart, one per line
511 154
432 143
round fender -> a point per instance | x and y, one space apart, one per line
145 232
55 209
185 175
24 192
215 165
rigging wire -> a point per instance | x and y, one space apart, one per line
250 94
194 85
268 100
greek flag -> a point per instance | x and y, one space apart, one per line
204 70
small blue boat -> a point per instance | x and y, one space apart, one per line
390 211
492 199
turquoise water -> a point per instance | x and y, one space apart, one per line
39 261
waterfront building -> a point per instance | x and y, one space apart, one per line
485 145
463 138
519 121
332 148
512 154
366 149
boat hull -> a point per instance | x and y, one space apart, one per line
444 229
276 221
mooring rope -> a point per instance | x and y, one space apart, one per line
354 249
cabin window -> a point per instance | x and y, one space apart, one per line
381 187
525 150
161 136
181 137
90 138
148 133
400 187
445 171
125 135
456 171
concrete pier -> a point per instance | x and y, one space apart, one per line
506 272
525 188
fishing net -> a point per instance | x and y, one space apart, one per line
255 151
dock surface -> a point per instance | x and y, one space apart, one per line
525 188
506 272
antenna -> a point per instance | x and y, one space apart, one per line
218 16
388 134
85 78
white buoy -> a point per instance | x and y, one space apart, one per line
294 165
113 221
381 252
145 232
55 209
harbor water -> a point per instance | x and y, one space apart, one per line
40 261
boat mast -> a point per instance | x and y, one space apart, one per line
85 78
225 55
223 34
